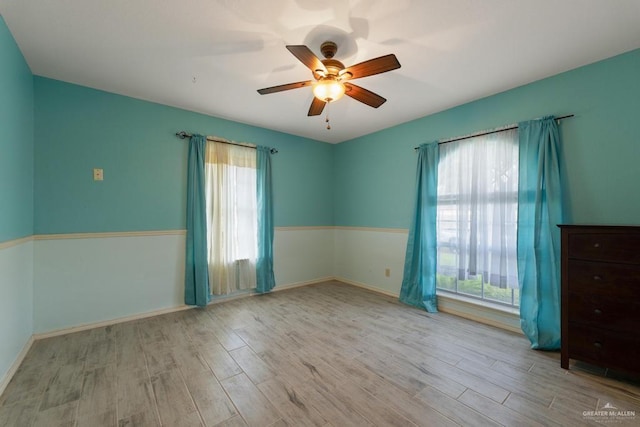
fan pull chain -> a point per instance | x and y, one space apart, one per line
327 119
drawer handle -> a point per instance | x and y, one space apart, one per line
596 245
597 278
597 311
597 344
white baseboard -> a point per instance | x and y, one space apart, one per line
109 322
486 315
464 309
15 365
479 313
367 287
139 316
468 310
278 288
305 283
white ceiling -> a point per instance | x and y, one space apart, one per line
211 56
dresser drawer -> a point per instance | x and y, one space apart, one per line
615 247
600 305
613 314
604 279
604 348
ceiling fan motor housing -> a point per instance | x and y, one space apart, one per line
333 66
328 49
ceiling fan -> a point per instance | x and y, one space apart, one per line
332 77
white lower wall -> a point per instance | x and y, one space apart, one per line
92 278
363 254
302 254
87 279
16 304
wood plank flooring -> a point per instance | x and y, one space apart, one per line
321 355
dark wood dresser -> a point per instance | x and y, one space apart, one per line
601 296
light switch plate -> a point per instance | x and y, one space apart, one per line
98 175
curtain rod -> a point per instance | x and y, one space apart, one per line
509 127
182 135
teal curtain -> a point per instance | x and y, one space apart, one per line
539 213
265 280
419 280
196 288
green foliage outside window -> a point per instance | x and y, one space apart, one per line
474 288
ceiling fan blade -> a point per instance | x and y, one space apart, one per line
280 88
363 95
316 107
378 65
307 57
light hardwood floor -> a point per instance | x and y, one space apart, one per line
321 355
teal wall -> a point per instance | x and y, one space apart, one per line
16 201
16 140
144 188
374 174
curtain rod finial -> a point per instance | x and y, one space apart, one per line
181 134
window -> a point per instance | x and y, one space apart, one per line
477 217
230 188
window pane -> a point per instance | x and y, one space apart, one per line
230 177
477 217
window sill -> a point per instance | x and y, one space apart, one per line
476 301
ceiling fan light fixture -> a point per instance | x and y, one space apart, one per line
328 89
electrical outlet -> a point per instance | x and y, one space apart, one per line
387 272
98 174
